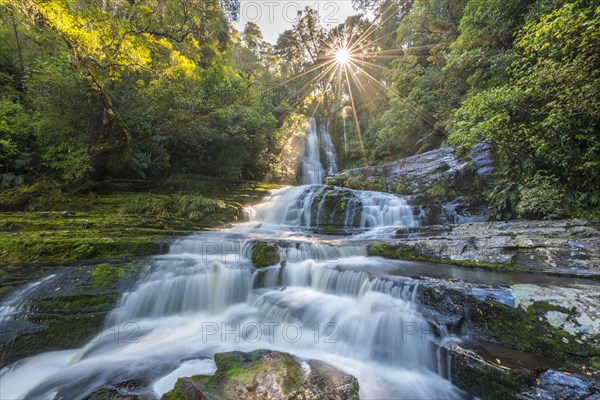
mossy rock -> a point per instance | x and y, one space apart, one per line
265 374
329 208
239 373
111 223
264 255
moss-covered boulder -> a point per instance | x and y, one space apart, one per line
265 254
264 374
447 188
559 323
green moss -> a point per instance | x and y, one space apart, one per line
105 275
493 383
86 226
360 182
435 192
401 189
393 252
65 322
374 184
529 330
237 371
328 211
264 255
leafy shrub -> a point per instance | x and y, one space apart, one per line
503 198
402 189
192 207
542 198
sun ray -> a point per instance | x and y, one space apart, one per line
359 133
370 101
422 114
373 27
331 76
307 86
370 64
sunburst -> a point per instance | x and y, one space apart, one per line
343 56
345 60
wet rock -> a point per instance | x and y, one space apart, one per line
126 390
481 377
495 372
497 314
64 310
442 188
264 374
557 247
265 254
483 158
555 385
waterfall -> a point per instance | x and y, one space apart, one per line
16 303
328 147
323 206
328 301
317 139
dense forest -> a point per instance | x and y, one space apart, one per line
96 91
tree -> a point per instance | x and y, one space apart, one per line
546 118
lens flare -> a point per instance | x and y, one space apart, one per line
343 56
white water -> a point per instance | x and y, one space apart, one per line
295 206
329 149
204 297
15 303
317 138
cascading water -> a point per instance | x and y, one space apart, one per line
329 301
329 149
317 139
352 211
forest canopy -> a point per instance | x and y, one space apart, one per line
101 90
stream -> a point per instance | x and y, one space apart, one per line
329 302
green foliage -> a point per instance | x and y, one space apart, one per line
69 226
15 142
436 192
402 189
543 197
504 197
546 117
106 274
142 89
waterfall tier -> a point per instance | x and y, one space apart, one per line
325 300
318 149
334 210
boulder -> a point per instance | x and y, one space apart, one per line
502 373
556 385
266 375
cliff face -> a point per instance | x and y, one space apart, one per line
442 188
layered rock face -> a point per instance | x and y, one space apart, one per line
442 188
559 247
